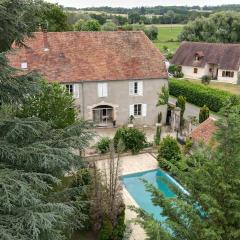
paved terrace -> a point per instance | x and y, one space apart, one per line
133 164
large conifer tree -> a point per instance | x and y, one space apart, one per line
33 155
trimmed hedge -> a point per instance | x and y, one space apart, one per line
199 95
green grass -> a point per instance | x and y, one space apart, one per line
229 87
172 46
168 36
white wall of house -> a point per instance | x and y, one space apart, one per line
188 72
121 95
233 79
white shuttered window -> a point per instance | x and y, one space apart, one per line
138 110
76 91
136 88
102 90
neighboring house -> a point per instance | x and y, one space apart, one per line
219 61
205 131
111 75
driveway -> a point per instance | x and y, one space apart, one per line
191 110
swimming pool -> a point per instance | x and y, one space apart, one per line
137 190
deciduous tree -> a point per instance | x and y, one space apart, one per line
51 104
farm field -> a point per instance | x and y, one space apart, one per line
168 36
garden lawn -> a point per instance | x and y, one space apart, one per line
232 88
168 36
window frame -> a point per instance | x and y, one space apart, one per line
138 111
70 88
135 88
228 74
24 65
195 70
104 89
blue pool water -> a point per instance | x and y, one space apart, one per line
136 188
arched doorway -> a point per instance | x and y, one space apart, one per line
103 115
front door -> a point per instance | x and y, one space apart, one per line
103 115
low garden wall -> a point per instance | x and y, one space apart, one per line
99 157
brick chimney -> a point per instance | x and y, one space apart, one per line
45 41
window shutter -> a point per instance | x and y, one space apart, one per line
100 90
144 110
131 88
104 90
140 88
131 110
76 90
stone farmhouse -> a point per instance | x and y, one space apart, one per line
112 75
219 61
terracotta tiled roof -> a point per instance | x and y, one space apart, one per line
91 56
227 56
204 132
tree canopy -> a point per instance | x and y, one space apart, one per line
51 104
211 210
87 25
219 27
34 156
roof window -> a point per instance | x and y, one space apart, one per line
24 65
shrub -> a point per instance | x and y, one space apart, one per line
181 103
169 151
127 27
188 145
106 229
151 32
169 55
119 229
206 79
176 71
87 25
132 138
199 95
203 114
103 145
157 137
109 26
172 69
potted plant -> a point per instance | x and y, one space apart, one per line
130 124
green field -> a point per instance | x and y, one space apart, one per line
168 36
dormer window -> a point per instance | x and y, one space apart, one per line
24 65
198 56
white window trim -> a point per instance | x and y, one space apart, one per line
102 90
139 88
76 91
68 90
24 65
143 110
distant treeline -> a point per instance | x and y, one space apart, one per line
160 14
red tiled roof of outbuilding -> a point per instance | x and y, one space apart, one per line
204 132
91 56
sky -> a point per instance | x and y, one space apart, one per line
139 3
